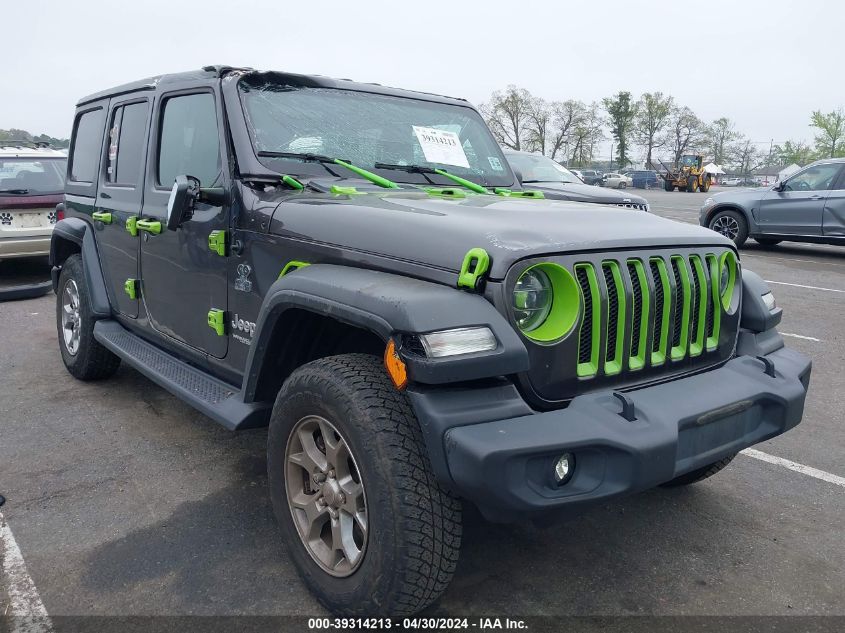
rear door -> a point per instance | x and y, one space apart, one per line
798 208
833 217
119 199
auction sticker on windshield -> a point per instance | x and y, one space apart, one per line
441 146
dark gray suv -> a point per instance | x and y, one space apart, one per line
809 206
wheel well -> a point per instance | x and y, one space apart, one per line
61 249
300 336
728 207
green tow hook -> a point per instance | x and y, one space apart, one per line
475 265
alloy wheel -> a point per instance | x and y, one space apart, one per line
71 317
726 225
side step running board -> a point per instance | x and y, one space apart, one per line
218 400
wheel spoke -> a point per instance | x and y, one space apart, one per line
343 539
311 453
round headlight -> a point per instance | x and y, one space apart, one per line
532 299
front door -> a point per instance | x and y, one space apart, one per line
797 208
119 200
182 279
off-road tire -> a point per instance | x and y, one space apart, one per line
767 241
414 526
741 225
692 184
699 474
705 185
667 185
91 361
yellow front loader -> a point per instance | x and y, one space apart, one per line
689 176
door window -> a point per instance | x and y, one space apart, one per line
815 178
85 154
126 144
189 143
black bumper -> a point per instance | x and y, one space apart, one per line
506 466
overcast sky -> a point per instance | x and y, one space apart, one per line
765 64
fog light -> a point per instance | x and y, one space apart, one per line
564 468
468 340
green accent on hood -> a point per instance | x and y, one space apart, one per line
509 193
131 226
292 182
658 356
217 321
712 342
590 368
373 178
291 266
697 344
150 226
445 192
615 366
684 293
130 286
462 181
102 216
347 191
475 265
217 242
566 304
638 361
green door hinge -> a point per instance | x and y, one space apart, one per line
217 321
217 242
102 216
131 286
475 265
131 227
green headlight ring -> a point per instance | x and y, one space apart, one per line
566 303
728 259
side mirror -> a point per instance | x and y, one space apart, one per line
183 197
780 186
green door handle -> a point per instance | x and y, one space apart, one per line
102 216
150 226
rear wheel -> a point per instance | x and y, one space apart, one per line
82 354
767 241
692 184
700 473
731 224
366 523
705 184
667 185
623 184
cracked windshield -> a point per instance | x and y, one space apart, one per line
384 134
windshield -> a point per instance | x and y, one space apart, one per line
366 129
32 176
536 168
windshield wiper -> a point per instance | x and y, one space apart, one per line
19 191
325 161
421 169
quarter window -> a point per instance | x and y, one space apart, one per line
85 155
189 143
126 144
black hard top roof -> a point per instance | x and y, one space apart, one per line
315 81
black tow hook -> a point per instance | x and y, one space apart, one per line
628 411
770 366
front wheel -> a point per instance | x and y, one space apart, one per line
366 523
731 224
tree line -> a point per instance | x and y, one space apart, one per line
22 135
650 127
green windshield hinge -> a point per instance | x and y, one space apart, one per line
292 182
475 265
345 191
291 266
217 242
131 227
217 321
131 287
446 192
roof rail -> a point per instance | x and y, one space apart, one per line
16 142
219 71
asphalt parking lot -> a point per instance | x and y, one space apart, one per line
125 501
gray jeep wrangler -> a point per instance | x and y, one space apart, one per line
357 267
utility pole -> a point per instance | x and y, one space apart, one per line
611 157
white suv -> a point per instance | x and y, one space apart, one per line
32 182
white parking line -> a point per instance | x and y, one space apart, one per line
798 468
821 262
783 283
806 338
26 610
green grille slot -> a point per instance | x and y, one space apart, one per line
662 310
639 314
590 333
714 312
699 322
683 301
615 317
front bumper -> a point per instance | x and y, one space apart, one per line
506 466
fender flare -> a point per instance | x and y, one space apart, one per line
77 231
387 304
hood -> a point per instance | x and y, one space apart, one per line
416 227
585 193
741 195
